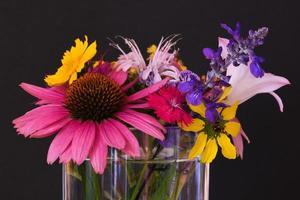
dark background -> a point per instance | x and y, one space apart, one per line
34 35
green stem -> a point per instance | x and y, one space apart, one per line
139 182
182 178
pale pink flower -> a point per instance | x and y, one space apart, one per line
245 85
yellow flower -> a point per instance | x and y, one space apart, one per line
151 51
73 62
210 134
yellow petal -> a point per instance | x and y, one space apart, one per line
196 126
229 112
210 151
228 150
199 145
89 53
232 128
73 61
226 92
200 109
73 78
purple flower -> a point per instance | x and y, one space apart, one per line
235 33
241 50
211 112
190 85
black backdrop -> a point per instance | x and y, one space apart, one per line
34 34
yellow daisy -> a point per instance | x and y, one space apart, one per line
73 62
210 135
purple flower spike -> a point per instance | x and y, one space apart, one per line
235 33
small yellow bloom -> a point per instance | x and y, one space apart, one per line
151 51
212 134
73 62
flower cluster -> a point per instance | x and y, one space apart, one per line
90 104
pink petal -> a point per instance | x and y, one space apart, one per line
82 141
39 118
146 118
61 141
132 145
119 76
51 129
66 156
278 99
47 95
245 85
111 135
223 43
140 105
98 154
147 91
140 124
238 143
129 85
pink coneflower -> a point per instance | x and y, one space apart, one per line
168 105
87 116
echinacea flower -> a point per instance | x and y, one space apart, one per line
245 85
210 135
162 61
73 62
168 105
88 118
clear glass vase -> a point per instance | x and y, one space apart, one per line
163 172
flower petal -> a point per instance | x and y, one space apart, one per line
199 145
140 124
83 141
245 85
132 147
232 128
200 109
210 151
196 126
61 141
228 150
111 135
147 91
119 76
48 95
98 154
229 113
145 117
51 129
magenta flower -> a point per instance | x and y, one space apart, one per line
88 118
168 105
245 85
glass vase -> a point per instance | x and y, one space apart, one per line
163 172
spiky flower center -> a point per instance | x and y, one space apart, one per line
94 97
214 129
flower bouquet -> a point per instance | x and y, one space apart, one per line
138 128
